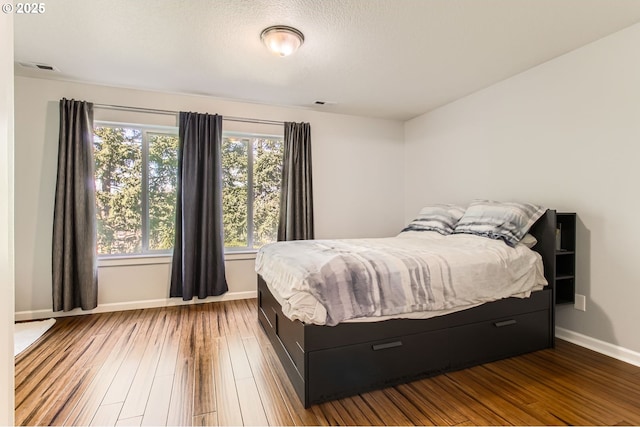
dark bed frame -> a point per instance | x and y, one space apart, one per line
329 362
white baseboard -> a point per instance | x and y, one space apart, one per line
603 347
133 305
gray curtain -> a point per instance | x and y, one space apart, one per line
198 253
75 274
296 197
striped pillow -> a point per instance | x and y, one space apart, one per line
508 221
441 218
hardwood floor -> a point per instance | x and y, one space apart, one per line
210 364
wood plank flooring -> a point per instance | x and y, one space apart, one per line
211 364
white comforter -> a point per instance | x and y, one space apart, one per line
413 275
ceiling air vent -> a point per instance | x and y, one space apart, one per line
38 66
325 103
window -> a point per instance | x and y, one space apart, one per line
251 177
136 176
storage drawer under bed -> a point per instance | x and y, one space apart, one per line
290 334
352 368
496 339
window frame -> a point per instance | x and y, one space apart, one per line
250 187
145 130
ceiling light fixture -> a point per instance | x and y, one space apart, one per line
282 40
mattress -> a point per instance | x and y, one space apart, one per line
413 275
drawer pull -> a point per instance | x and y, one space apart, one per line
505 323
377 347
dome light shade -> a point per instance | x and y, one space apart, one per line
282 40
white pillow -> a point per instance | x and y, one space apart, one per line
507 221
441 218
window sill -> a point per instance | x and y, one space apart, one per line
135 260
131 260
240 255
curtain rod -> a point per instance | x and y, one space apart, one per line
175 113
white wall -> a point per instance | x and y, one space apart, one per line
357 167
565 134
6 221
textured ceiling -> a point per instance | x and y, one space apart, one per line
382 58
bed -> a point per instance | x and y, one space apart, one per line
357 355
